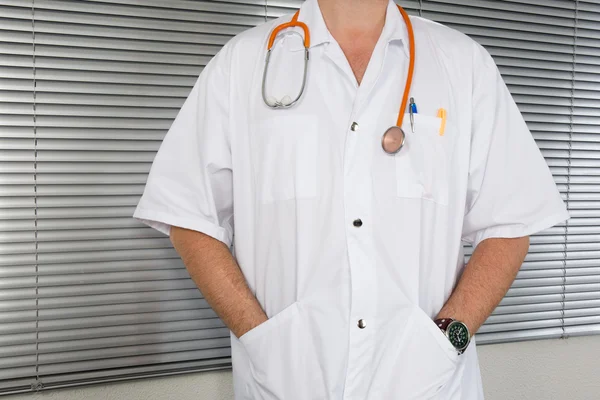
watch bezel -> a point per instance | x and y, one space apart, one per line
447 333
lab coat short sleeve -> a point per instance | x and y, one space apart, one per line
511 192
190 182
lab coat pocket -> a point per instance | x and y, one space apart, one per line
283 360
442 361
421 362
285 151
422 164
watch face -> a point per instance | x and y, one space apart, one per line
458 333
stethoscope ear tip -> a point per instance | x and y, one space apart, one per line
272 101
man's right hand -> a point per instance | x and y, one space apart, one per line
218 276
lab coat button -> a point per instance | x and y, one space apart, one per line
362 324
354 127
357 223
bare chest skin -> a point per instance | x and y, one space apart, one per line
358 56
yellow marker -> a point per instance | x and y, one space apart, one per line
442 114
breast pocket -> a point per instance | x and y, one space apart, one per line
286 158
422 166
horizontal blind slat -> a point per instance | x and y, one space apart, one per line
112 331
79 366
115 353
99 299
542 315
515 336
141 339
549 298
132 372
522 309
46 313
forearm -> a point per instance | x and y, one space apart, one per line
485 280
218 276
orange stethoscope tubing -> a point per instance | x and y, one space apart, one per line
286 102
393 138
411 64
294 22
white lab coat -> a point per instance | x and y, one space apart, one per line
297 179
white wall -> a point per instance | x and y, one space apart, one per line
549 370
542 370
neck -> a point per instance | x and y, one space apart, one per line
354 19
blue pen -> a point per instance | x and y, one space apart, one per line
412 110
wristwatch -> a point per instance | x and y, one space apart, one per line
457 332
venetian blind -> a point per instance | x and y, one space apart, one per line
88 89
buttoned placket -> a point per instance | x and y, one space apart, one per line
359 229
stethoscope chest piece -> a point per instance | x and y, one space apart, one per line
393 140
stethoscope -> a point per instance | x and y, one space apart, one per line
394 137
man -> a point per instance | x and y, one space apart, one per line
345 255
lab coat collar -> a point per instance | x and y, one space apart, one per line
310 14
393 30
